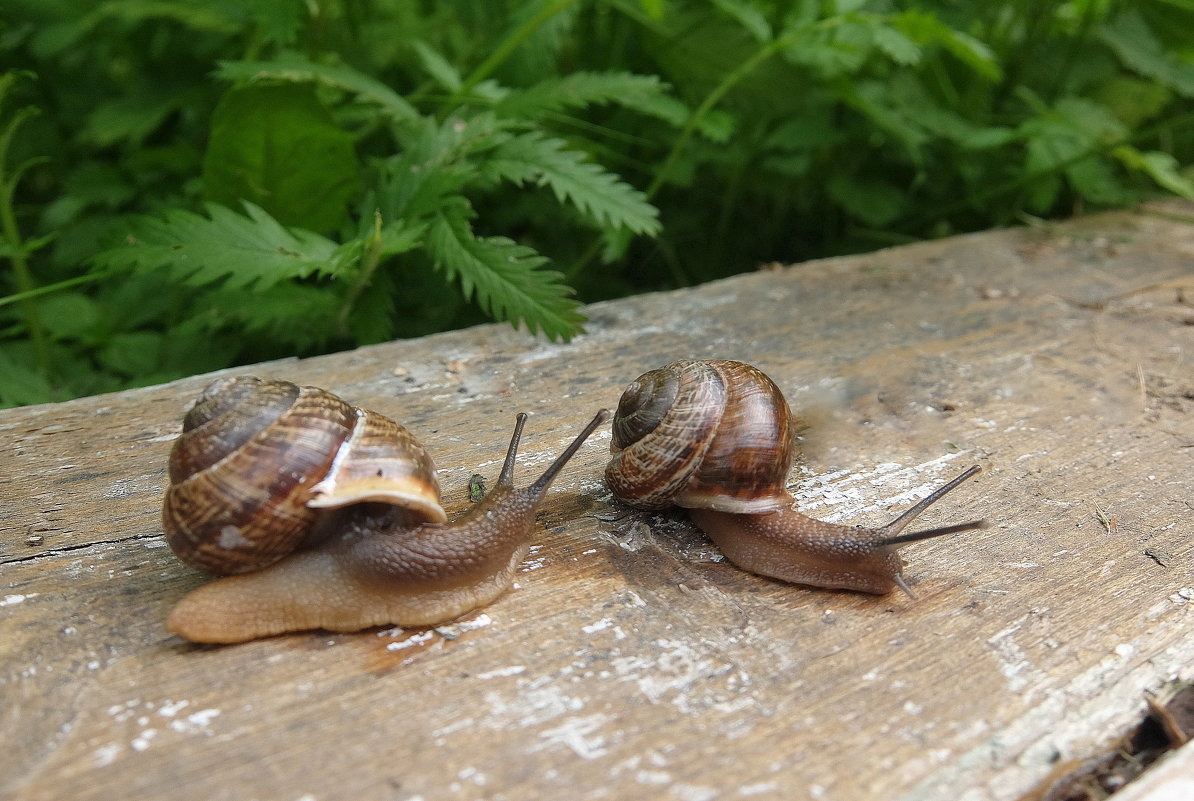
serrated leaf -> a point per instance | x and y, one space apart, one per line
297 70
597 194
253 252
434 164
579 90
278 147
503 276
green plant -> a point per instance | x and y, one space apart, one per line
224 182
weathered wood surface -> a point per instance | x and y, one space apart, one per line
630 662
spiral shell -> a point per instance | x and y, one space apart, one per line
702 434
260 462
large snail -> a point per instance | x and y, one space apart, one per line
715 437
331 517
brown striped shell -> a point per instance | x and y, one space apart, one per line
260 462
702 434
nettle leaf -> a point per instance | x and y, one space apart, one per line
278 147
504 276
253 252
600 195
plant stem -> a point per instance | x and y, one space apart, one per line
712 99
49 289
23 277
369 261
505 48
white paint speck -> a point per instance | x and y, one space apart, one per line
411 641
758 789
653 777
142 742
497 673
693 792
13 600
593 628
195 723
106 755
579 735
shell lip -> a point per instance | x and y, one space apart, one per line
330 497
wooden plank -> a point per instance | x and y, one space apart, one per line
630 661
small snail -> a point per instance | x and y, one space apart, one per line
715 437
330 516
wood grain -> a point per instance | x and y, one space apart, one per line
630 661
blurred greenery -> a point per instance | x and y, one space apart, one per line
189 185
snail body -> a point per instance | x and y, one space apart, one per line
716 437
328 516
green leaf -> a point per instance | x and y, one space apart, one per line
298 70
901 49
1161 167
134 352
20 382
1133 101
434 164
749 17
580 90
1129 36
597 194
502 275
873 201
925 29
253 252
298 316
69 314
278 147
437 66
1096 182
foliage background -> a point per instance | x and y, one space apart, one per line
188 185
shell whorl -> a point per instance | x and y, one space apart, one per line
702 434
259 462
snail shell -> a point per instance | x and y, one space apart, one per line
259 462
709 435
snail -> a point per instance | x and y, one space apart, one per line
328 516
716 438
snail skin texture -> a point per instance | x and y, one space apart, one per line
328 516
715 437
